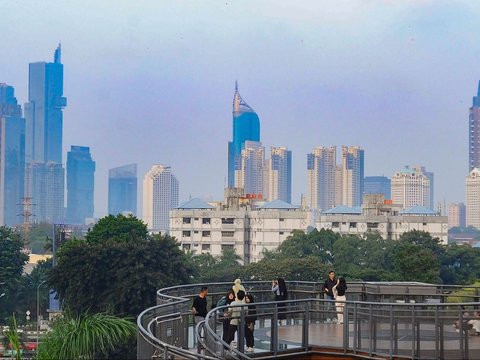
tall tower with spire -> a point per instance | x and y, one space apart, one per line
474 133
246 127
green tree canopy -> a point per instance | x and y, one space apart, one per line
119 228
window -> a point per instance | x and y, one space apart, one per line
196 219
282 219
205 233
353 224
227 247
195 232
281 232
205 247
228 233
372 225
186 233
228 220
187 220
186 246
335 224
206 221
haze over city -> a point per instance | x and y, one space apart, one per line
153 82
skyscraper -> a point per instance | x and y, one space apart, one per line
160 195
252 166
321 171
378 185
122 190
353 168
474 132
278 175
456 215
412 187
44 127
80 184
12 157
473 198
246 126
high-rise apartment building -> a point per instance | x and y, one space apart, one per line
160 195
456 215
80 184
412 187
246 127
474 132
377 185
278 175
473 198
250 176
353 168
43 140
321 176
12 157
122 190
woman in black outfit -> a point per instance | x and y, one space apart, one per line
250 323
279 288
226 316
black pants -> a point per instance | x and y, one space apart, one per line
281 307
249 336
226 325
232 329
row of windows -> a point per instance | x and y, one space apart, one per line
226 234
206 247
187 220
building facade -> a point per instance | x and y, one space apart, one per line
250 176
160 195
457 215
240 224
80 185
43 139
388 220
353 170
474 132
122 190
321 178
473 198
246 127
378 185
278 175
412 186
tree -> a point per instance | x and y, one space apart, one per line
117 276
460 264
220 268
86 336
120 228
12 262
416 263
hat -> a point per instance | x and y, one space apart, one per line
237 281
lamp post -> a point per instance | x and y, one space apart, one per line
38 310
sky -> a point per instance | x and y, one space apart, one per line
152 81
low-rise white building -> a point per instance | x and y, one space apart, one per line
384 218
240 223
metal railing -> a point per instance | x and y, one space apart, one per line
401 320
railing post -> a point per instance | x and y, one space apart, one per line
274 336
370 320
391 333
437 335
414 335
346 343
241 330
305 327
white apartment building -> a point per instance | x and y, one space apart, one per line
412 187
473 198
250 176
160 195
278 175
239 223
380 216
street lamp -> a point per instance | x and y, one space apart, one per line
38 309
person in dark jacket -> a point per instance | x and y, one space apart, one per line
279 288
230 297
328 291
250 323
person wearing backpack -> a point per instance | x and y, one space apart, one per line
226 300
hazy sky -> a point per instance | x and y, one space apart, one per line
152 81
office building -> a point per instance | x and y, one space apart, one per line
43 140
250 176
473 198
353 168
278 175
474 132
321 178
411 187
122 190
80 184
160 195
246 127
457 215
378 185
12 157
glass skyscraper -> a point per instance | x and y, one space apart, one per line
378 185
12 157
80 184
43 140
474 132
122 190
246 127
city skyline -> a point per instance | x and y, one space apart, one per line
406 71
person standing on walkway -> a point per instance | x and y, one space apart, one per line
199 306
279 288
250 323
229 298
339 291
235 313
328 291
